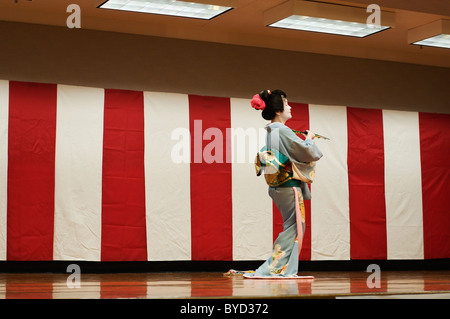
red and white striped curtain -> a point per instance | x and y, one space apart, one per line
114 175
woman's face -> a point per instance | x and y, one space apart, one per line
286 114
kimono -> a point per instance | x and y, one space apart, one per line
288 164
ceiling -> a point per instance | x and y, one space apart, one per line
244 25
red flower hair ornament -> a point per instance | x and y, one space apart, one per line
257 102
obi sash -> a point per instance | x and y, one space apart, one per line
279 171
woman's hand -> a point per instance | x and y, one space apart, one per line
310 134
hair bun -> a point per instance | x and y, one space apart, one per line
257 102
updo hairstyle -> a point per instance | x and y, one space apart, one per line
274 103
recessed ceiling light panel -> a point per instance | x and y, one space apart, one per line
327 18
198 10
305 23
439 41
434 34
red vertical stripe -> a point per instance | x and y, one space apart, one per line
124 287
123 184
201 287
277 221
359 284
368 239
211 206
299 121
435 159
31 171
305 254
23 289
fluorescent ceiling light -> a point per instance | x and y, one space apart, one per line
435 34
193 9
326 18
440 41
306 23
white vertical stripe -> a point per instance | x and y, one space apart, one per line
78 173
332 286
3 290
395 283
330 229
169 289
167 177
252 206
403 190
4 105
90 289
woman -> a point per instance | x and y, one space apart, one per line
284 161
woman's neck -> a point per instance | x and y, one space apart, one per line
278 120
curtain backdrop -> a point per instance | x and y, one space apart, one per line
115 175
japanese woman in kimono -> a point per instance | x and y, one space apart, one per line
288 164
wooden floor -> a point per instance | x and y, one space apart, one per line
394 284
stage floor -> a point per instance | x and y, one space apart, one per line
187 285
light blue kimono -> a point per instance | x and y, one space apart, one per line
285 253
